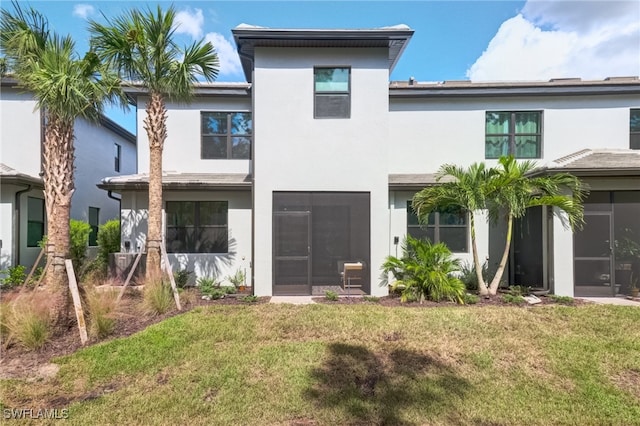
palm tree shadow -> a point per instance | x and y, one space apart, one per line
374 388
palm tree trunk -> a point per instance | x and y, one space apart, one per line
155 125
493 287
58 189
482 286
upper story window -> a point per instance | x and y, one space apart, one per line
94 222
197 227
332 92
35 221
634 129
117 153
226 135
448 227
513 133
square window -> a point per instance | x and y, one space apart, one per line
513 133
226 135
197 227
444 226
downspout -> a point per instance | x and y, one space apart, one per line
17 224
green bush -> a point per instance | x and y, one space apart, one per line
228 289
157 298
514 299
469 277
249 298
182 277
425 271
518 290
207 285
563 300
237 279
372 299
470 299
79 242
108 242
14 276
331 295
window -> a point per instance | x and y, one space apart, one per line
449 227
226 135
513 133
118 151
35 221
332 92
94 220
197 227
634 128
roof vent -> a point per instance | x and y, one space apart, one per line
412 81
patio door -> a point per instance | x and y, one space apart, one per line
292 252
593 256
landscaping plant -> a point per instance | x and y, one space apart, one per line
157 298
425 271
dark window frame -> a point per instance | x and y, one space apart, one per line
634 134
511 135
229 135
118 157
93 236
197 225
435 224
31 242
342 93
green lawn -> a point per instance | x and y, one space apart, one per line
358 364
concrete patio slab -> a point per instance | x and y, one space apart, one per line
294 300
611 301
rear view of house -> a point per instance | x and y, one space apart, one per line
302 176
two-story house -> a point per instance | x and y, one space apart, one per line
313 162
101 149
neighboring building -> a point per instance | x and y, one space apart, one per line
101 149
313 162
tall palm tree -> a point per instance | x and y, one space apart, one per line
460 189
514 190
65 87
140 46
506 191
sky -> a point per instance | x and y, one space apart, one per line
532 40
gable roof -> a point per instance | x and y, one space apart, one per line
248 37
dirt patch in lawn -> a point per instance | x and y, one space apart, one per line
628 381
17 362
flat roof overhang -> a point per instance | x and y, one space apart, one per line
180 181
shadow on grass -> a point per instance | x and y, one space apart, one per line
371 388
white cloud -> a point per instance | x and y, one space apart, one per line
227 54
83 10
586 39
190 22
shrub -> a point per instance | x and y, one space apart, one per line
237 279
79 241
331 295
515 299
228 289
157 298
101 308
470 299
14 276
207 285
372 299
563 300
251 298
468 275
28 322
425 271
108 241
182 277
518 290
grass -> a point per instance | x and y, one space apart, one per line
356 364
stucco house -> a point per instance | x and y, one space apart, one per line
102 149
312 162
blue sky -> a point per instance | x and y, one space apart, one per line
454 40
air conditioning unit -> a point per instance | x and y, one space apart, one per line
120 265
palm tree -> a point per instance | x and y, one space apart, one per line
141 48
464 190
506 191
65 87
514 190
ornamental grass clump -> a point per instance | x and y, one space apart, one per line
27 322
157 297
101 307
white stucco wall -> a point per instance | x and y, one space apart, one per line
219 266
294 151
182 151
19 131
